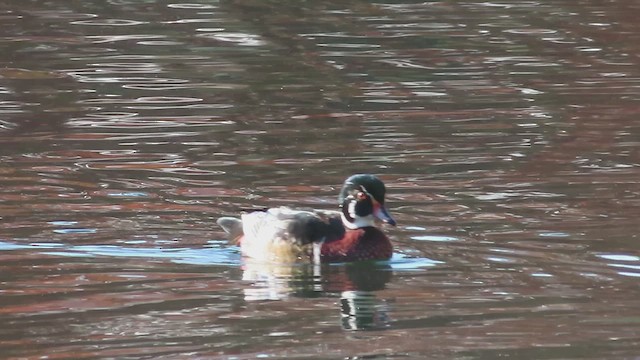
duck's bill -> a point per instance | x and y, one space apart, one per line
382 214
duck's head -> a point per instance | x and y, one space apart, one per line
362 201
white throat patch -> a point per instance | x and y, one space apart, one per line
358 221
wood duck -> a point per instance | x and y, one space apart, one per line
284 234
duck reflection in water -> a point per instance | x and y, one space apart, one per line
356 283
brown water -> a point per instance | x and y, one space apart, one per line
508 134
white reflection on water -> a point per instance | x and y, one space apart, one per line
624 264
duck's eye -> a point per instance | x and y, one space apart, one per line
361 196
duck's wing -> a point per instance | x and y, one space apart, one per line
315 226
299 227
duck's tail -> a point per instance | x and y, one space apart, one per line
232 226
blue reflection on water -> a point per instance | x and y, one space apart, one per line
213 254
202 256
128 194
436 238
625 264
74 231
406 263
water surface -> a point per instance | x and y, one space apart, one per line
506 132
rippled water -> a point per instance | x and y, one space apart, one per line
507 133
